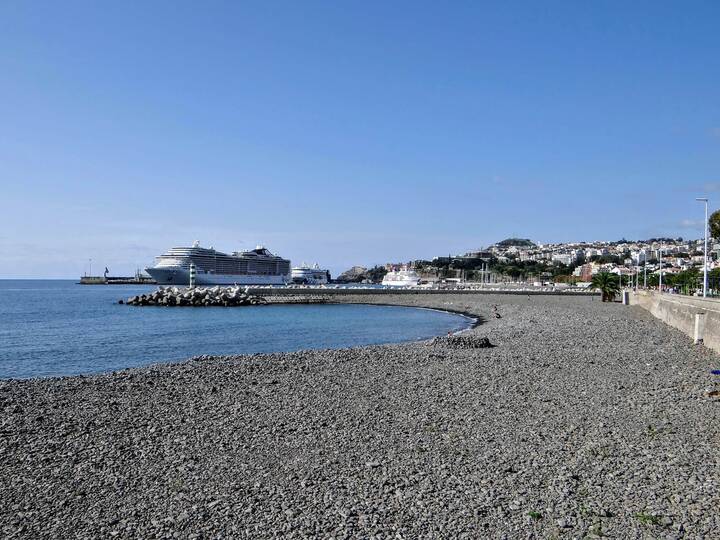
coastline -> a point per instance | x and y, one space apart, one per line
583 415
475 319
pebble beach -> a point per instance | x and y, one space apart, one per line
582 420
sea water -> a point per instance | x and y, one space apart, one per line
57 327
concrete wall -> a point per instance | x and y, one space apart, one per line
92 280
680 311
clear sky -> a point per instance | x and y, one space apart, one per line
349 132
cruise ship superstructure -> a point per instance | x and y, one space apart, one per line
310 275
254 267
402 277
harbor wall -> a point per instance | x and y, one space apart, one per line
282 291
115 280
696 317
93 280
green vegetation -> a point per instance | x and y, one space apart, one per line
714 220
514 268
606 259
535 515
687 280
525 269
647 519
607 284
376 274
653 431
519 242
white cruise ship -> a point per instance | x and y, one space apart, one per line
401 278
310 275
255 267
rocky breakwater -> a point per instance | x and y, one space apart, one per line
197 296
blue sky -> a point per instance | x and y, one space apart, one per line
349 133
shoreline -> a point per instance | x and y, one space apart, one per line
470 321
474 319
583 415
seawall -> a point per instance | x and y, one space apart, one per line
356 291
696 317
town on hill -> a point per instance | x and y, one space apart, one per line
574 263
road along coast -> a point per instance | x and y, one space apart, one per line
583 419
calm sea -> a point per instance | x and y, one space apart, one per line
56 327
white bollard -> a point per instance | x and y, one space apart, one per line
625 298
699 328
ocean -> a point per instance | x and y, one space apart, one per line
51 328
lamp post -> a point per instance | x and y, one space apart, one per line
644 269
660 281
705 257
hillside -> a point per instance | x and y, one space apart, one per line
518 242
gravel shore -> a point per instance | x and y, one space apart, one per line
585 419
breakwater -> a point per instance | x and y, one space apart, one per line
331 291
116 280
242 296
197 297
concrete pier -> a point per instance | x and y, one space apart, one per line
116 280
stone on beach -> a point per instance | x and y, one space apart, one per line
461 341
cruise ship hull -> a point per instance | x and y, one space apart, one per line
304 276
401 283
181 276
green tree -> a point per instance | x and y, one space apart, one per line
607 284
687 280
715 224
376 274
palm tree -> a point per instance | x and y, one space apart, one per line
607 284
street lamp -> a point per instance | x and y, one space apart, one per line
660 282
705 257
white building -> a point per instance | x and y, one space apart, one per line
639 256
564 258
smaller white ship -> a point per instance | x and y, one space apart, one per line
310 275
402 277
